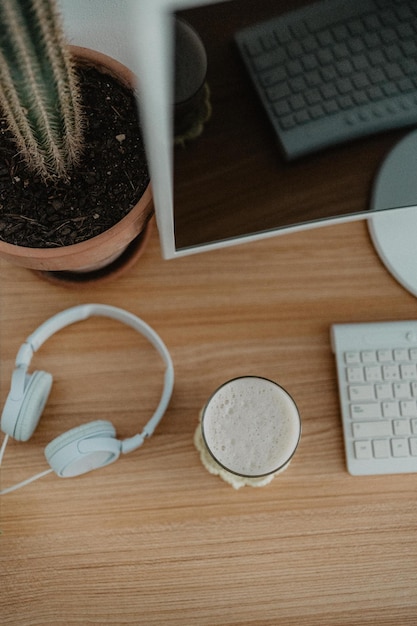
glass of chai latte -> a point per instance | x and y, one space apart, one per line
249 431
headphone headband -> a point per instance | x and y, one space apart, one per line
83 312
78 314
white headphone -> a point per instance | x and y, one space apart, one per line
91 445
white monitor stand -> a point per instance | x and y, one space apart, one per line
394 234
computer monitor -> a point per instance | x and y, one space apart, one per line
190 183
191 186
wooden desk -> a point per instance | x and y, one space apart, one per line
154 539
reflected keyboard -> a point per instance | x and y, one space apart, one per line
334 70
377 379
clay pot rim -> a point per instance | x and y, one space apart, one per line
82 246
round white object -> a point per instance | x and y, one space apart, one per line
394 234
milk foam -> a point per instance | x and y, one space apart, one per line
251 426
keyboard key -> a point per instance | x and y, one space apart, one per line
391 372
399 447
371 429
278 91
268 41
413 446
271 77
269 59
384 391
302 117
390 409
282 108
373 373
363 449
361 392
408 371
384 356
408 408
254 47
352 358
381 448
400 354
401 390
365 411
368 356
401 427
296 102
355 374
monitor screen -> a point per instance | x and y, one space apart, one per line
228 182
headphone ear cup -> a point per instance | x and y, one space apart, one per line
83 448
36 394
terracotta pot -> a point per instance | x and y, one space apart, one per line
103 249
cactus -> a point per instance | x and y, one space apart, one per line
39 93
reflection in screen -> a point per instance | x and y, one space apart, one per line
232 180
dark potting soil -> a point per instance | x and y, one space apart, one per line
109 181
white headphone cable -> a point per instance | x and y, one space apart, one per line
24 482
3 448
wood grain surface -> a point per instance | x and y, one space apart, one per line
154 539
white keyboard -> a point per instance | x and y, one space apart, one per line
377 377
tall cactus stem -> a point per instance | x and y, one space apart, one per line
39 93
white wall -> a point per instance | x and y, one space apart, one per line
103 25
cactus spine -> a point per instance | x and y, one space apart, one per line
39 94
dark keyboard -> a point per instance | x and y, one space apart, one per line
334 71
